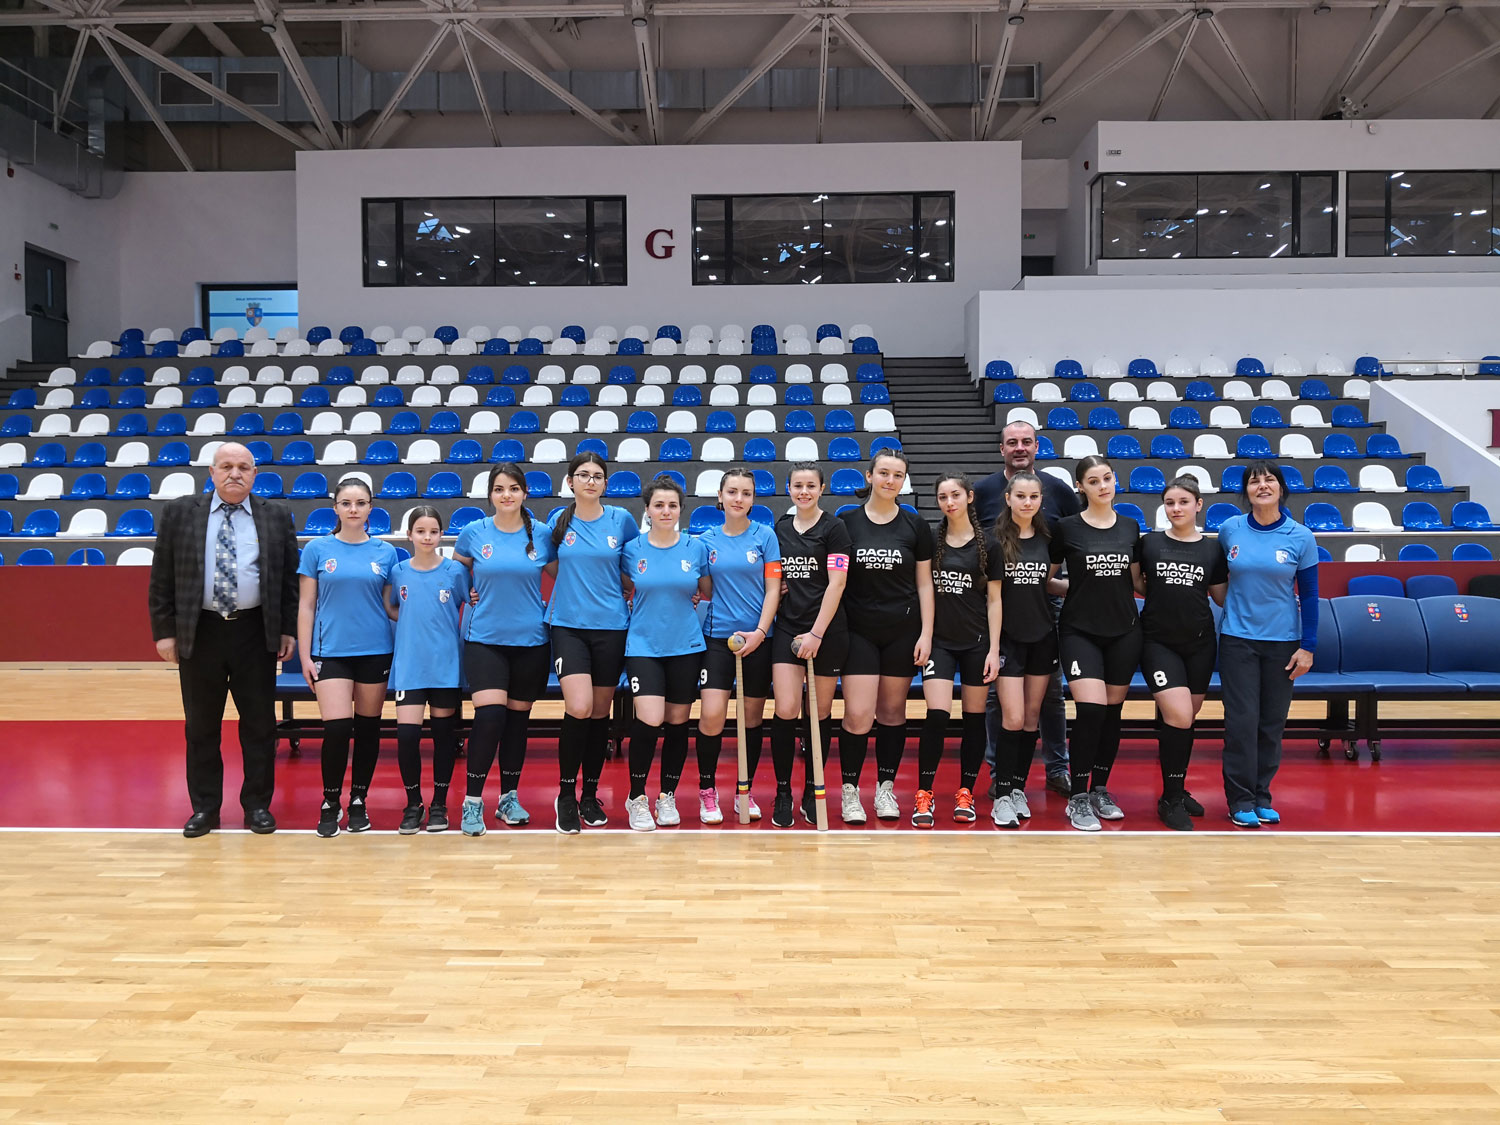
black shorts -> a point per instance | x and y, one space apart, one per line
1018 658
1190 666
518 670
833 653
884 648
373 669
718 668
597 653
967 662
674 678
1111 659
440 698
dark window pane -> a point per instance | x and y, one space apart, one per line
777 240
1441 213
607 265
1317 210
447 241
1146 216
1244 215
869 238
936 238
541 241
382 259
1365 214
710 241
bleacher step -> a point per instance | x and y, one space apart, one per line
942 424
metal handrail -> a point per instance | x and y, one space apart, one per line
49 107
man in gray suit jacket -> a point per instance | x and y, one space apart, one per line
224 608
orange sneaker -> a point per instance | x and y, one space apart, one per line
921 816
963 807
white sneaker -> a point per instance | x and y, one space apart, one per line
1018 802
853 811
666 811
708 807
1004 813
639 811
886 807
754 808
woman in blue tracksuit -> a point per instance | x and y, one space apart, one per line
344 636
427 595
506 647
1267 638
588 615
744 561
663 648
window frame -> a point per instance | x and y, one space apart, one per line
1388 177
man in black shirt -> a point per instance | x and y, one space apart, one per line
1018 443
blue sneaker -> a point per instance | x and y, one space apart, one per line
473 818
1244 818
1267 815
509 811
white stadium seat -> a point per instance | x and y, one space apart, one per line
1356 388
423 451
549 451
728 373
1287 366
1144 418
365 422
1237 390
612 396
1162 391
277 397
326 422
833 372
1306 416
648 395
707 483
483 422
601 422
165 376
1080 445
1047 392
1276 390
690 374
799 373
135 556
1298 447
49 486
584 375
633 451
1331 365
131 455
425 396
87 523
174 485
339 452
681 422
536 396
1226 418
1123 391
762 394
562 422
1372 515
1212 365
724 396
1362 552
1379 478
760 422
208 424
1210 447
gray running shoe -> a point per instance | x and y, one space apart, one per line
639 811
666 810
1018 802
1104 804
1081 814
853 811
1004 813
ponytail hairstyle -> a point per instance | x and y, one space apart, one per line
886 451
587 458
422 511
806 467
1187 482
1092 461
663 483
512 472
963 482
355 482
738 469
1006 528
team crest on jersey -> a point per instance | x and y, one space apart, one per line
686 566
640 567
530 552
1373 609
1460 611
751 556
713 557
374 567
613 542
1234 552
1283 557
569 539
486 551
402 593
444 595
331 565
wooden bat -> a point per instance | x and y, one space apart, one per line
742 788
820 799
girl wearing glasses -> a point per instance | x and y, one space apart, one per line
344 636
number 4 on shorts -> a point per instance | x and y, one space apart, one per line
1076 671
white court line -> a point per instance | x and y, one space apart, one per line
906 834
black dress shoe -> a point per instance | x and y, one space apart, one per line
1059 783
200 824
260 821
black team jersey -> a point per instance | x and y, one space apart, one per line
883 567
1101 595
804 569
1177 577
961 592
1025 609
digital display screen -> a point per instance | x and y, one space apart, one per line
243 307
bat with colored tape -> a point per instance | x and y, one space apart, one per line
742 787
820 799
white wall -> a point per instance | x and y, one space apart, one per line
1448 420
659 183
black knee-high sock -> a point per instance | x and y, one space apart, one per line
754 740
643 738
366 754
1083 745
929 747
971 749
890 745
1109 744
784 752
444 754
513 748
1176 749
409 758
1025 745
674 749
484 741
336 735
708 748
852 750
570 742
593 755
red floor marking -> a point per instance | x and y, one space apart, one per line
130 775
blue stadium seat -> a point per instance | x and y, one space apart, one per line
1470 515
95 398
50 455
351 334
761 514
1148 479
137 486
445 422
320 332
763 331
1384 641
88 486
269 484
1315 390
1376 586
1266 418
500 396
170 424
630 345
846 482
461 519
1293 477
827 330
1333 478
164 350
800 394
530 346
675 449
480 375
642 422
665 332
1324 554
1063 418
1383 445
1323 517
296 453
874 395
687 396
539 484
842 508
1067 369
1249 367
201 376
765 483
446 333
869 373
762 346
131 377
865 345
1105 418
189 335
400 485
573 332
133 523
313 397
1489 365
95 377
320 521
23 399
1421 586
1141 369
172 454
89 455
1200 390
1424 478
838 422
1044 449
999 369
495 347
1168 447
507 449
17 425
1126 508
134 349
287 423
204 398
465 451
764 449
388 396
886 442
10 484
378 522
443 486
1214 518
800 422
340 376
704 517
261 451
515 375
311 485
1084 391
404 422
248 424
592 445
131 398
1340 445
844 449
1124 446
229 349
1419 515
720 422
762 373
623 483
574 396
1472 552
86 556
36 556
1348 417
1184 418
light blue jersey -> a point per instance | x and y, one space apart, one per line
1261 604
737 564
428 604
587 593
350 619
663 621
508 576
